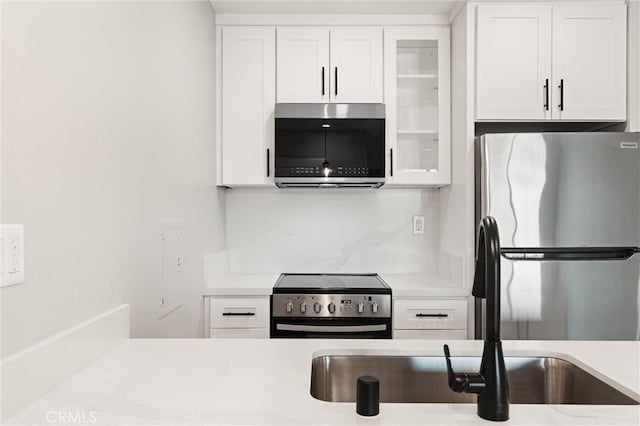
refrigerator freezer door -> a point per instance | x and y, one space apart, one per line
561 189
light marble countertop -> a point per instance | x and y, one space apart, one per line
266 382
241 285
402 285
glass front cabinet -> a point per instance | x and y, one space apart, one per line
417 98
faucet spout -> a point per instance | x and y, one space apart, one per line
491 382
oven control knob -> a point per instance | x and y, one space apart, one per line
360 307
317 307
289 307
303 307
332 307
374 308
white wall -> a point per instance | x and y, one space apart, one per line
633 75
107 132
457 208
458 200
329 230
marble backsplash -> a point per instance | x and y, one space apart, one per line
325 230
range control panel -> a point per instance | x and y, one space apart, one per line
331 305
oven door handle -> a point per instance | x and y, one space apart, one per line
331 328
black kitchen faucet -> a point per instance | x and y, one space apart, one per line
490 384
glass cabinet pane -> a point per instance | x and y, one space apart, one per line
417 106
417 57
418 153
417 103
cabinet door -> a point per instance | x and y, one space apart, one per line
303 64
589 62
417 99
356 65
248 101
513 62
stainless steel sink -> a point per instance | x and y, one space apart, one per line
532 380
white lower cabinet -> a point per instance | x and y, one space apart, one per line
239 317
430 318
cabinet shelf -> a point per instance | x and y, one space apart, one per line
417 76
417 132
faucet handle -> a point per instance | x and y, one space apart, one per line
454 384
462 382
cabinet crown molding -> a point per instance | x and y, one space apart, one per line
328 20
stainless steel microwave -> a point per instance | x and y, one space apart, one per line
329 145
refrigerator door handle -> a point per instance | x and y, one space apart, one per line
569 253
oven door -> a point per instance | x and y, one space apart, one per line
331 328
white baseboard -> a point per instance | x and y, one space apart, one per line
33 371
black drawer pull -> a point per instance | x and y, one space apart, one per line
238 314
268 162
421 315
322 81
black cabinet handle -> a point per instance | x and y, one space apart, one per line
322 81
546 94
561 106
336 82
238 314
421 315
391 161
268 162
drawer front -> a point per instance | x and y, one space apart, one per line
239 333
430 314
430 334
239 312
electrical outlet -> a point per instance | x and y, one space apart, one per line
418 224
12 255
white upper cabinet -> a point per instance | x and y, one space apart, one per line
563 61
356 65
589 61
514 62
329 65
418 103
303 64
248 101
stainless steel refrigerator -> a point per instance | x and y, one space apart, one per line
568 212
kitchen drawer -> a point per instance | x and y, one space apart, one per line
239 333
430 314
430 334
239 312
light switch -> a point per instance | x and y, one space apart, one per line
12 252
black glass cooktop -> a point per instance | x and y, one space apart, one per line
331 283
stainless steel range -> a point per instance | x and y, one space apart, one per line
352 306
